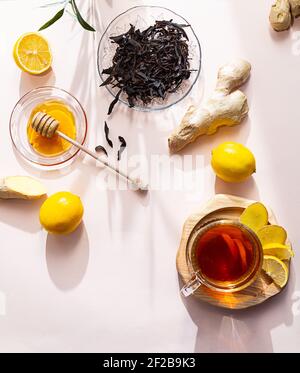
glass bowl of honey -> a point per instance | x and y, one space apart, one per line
38 150
223 255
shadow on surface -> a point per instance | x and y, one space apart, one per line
247 189
29 82
248 330
21 214
67 258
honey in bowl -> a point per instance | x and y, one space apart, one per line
55 145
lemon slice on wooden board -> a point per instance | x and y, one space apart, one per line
32 53
255 216
276 269
282 252
272 234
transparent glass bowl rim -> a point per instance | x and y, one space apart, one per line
149 108
32 92
248 278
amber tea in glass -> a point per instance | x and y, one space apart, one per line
223 255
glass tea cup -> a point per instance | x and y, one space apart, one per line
223 255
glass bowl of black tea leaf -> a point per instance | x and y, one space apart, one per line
149 58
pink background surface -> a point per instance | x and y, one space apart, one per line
112 286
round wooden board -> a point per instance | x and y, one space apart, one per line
262 289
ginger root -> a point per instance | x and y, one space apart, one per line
21 187
282 14
295 8
255 216
226 107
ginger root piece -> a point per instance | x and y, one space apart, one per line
280 15
272 234
255 216
21 187
226 107
295 8
233 75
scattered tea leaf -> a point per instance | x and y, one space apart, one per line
106 130
114 102
122 147
101 148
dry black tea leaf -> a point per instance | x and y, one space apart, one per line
112 105
106 130
101 148
149 64
122 147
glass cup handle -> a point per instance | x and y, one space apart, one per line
191 287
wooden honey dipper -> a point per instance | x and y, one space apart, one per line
47 126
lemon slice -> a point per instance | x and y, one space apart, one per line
282 252
32 53
276 269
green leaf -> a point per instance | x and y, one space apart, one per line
83 23
57 16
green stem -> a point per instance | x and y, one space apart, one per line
61 12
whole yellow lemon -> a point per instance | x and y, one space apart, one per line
233 162
61 213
